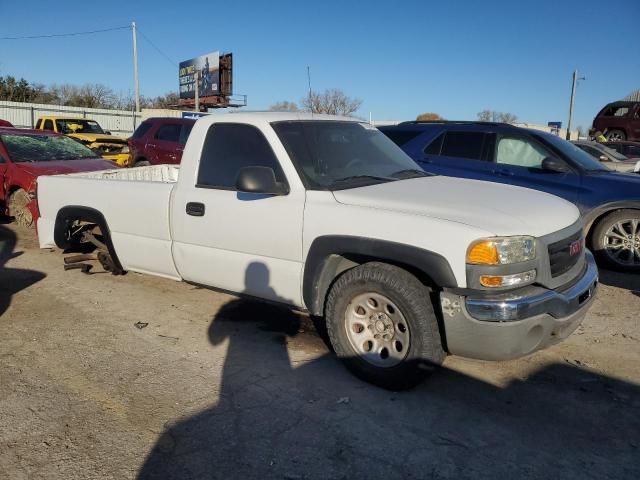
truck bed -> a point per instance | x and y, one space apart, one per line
134 202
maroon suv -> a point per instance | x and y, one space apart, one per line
619 121
160 140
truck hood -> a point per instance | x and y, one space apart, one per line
64 166
492 207
100 138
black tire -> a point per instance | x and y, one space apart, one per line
601 245
411 297
615 135
142 163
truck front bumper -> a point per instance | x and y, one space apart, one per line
506 326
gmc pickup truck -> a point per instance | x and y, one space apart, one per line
329 216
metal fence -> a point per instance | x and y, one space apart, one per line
25 115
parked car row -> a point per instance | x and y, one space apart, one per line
609 201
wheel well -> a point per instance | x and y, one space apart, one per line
336 264
598 219
72 213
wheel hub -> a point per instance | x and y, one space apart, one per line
377 329
622 242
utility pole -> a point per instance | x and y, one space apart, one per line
573 94
135 66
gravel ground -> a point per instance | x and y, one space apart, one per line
216 387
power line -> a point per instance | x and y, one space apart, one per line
90 32
167 57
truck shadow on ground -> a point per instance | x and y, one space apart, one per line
626 281
12 280
282 417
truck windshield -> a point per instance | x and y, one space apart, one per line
334 155
78 125
43 148
576 154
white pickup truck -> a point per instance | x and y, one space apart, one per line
327 215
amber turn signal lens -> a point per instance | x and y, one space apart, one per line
483 252
490 281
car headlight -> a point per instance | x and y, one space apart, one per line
125 149
501 250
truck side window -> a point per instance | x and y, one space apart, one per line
48 125
227 148
169 133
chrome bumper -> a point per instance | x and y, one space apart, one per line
551 302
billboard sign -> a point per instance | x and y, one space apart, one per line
206 69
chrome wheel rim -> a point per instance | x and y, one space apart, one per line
614 137
377 329
622 242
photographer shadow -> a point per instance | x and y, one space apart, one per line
12 280
277 417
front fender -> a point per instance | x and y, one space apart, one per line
320 270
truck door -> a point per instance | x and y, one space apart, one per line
3 173
241 242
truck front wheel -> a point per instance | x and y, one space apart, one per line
382 325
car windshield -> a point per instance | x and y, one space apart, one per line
576 154
78 125
334 155
43 148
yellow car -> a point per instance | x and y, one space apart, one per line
91 134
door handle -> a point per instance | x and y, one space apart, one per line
195 209
504 173
152 145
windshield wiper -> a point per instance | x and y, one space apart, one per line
410 173
362 177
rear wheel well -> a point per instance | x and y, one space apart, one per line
69 215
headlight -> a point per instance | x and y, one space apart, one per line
501 250
125 149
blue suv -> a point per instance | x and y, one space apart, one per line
609 201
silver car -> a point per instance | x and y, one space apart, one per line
609 157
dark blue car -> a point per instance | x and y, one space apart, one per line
609 201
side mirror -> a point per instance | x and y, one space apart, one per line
554 165
107 132
603 158
260 180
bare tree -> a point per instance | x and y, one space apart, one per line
506 117
284 106
494 116
428 116
332 101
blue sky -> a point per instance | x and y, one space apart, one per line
401 58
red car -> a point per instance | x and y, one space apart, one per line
4 123
160 140
27 154
618 121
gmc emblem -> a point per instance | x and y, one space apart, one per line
575 247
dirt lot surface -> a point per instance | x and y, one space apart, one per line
216 387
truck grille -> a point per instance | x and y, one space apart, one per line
561 256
